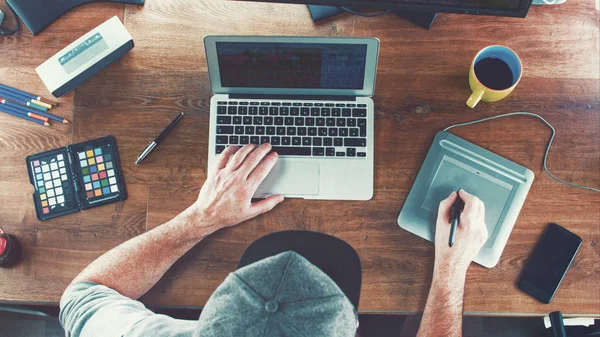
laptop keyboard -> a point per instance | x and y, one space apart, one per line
294 128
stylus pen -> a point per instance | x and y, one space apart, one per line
158 139
454 215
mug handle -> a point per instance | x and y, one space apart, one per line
475 98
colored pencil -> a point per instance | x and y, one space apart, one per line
20 115
14 96
42 104
21 99
31 96
36 116
30 114
23 109
35 106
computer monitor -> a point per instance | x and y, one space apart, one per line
422 10
514 8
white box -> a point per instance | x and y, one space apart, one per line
84 58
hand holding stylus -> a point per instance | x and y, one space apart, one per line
470 234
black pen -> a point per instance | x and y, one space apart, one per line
158 139
454 215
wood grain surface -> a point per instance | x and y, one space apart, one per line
422 87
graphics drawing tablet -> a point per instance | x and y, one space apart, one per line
454 163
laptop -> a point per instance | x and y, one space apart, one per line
310 97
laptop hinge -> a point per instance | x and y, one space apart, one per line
294 97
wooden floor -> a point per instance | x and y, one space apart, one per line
422 87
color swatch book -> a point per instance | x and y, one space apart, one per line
76 177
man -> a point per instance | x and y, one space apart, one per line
312 291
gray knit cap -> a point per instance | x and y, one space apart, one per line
283 295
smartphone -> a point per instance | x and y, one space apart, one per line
549 262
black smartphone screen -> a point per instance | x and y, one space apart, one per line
549 262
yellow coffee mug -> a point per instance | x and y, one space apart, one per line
495 72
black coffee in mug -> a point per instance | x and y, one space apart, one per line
494 73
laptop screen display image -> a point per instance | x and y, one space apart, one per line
291 65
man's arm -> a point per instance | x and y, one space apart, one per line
135 266
443 311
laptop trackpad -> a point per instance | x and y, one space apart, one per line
292 177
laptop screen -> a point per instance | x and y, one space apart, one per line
291 65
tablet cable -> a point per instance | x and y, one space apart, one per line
547 147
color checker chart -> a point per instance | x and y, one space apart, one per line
55 188
98 173
79 176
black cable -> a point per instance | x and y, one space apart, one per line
364 14
16 29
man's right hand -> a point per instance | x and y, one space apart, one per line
443 311
471 235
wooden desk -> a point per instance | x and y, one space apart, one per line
421 88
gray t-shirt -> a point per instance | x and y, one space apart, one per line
88 309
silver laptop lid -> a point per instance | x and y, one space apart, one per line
286 65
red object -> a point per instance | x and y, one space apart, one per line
2 245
